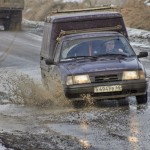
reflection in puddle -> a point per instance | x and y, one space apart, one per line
85 143
134 133
133 139
88 136
82 132
84 126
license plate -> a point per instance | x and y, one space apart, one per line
112 88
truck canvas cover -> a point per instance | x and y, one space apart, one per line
57 25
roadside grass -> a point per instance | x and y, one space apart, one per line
135 13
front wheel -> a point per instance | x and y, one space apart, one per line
142 99
78 104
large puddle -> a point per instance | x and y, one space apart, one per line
86 134
85 124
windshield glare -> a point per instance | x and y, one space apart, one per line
98 46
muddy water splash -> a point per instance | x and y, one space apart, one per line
22 89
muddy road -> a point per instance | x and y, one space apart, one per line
31 121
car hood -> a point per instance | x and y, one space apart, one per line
84 66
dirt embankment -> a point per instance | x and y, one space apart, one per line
136 14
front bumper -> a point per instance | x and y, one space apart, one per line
129 88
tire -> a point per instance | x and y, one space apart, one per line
6 25
15 21
78 104
142 99
15 26
18 26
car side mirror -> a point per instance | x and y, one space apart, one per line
142 54
49 61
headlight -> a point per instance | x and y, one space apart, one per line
133 75
142 75
78 79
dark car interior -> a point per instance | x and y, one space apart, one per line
92 48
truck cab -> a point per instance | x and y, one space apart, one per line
11 14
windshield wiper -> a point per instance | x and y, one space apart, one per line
121 54
81 57
113 54
98 56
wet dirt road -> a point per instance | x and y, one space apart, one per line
108 125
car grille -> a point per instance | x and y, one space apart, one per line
106 78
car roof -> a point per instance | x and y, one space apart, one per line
82 16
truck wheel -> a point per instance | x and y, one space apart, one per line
15 26
142 99
15 21
6 25
12 26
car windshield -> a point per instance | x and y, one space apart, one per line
96 47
